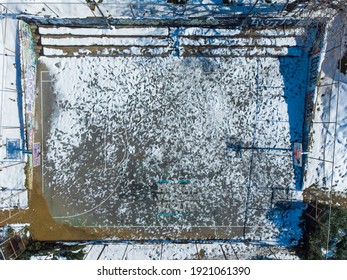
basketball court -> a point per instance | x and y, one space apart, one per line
140 145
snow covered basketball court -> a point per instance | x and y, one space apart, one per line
143 143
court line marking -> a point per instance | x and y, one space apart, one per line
106 153
108 197
173 226
42 151
41 108
42 169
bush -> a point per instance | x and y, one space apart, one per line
55 250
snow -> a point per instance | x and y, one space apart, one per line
172 115
281 32
16 227
186 251
186 41
251 51
53 52
142 252
99 41
13 193
172 109
179 251
257 251
194 31
93 251
330 101
210 251
106 32
76 8
278 42
60 9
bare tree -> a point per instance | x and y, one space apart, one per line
329 6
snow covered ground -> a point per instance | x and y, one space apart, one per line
193 41
124 132
179 251
165 251
141 9
329 145
143 142
13 193
182 251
